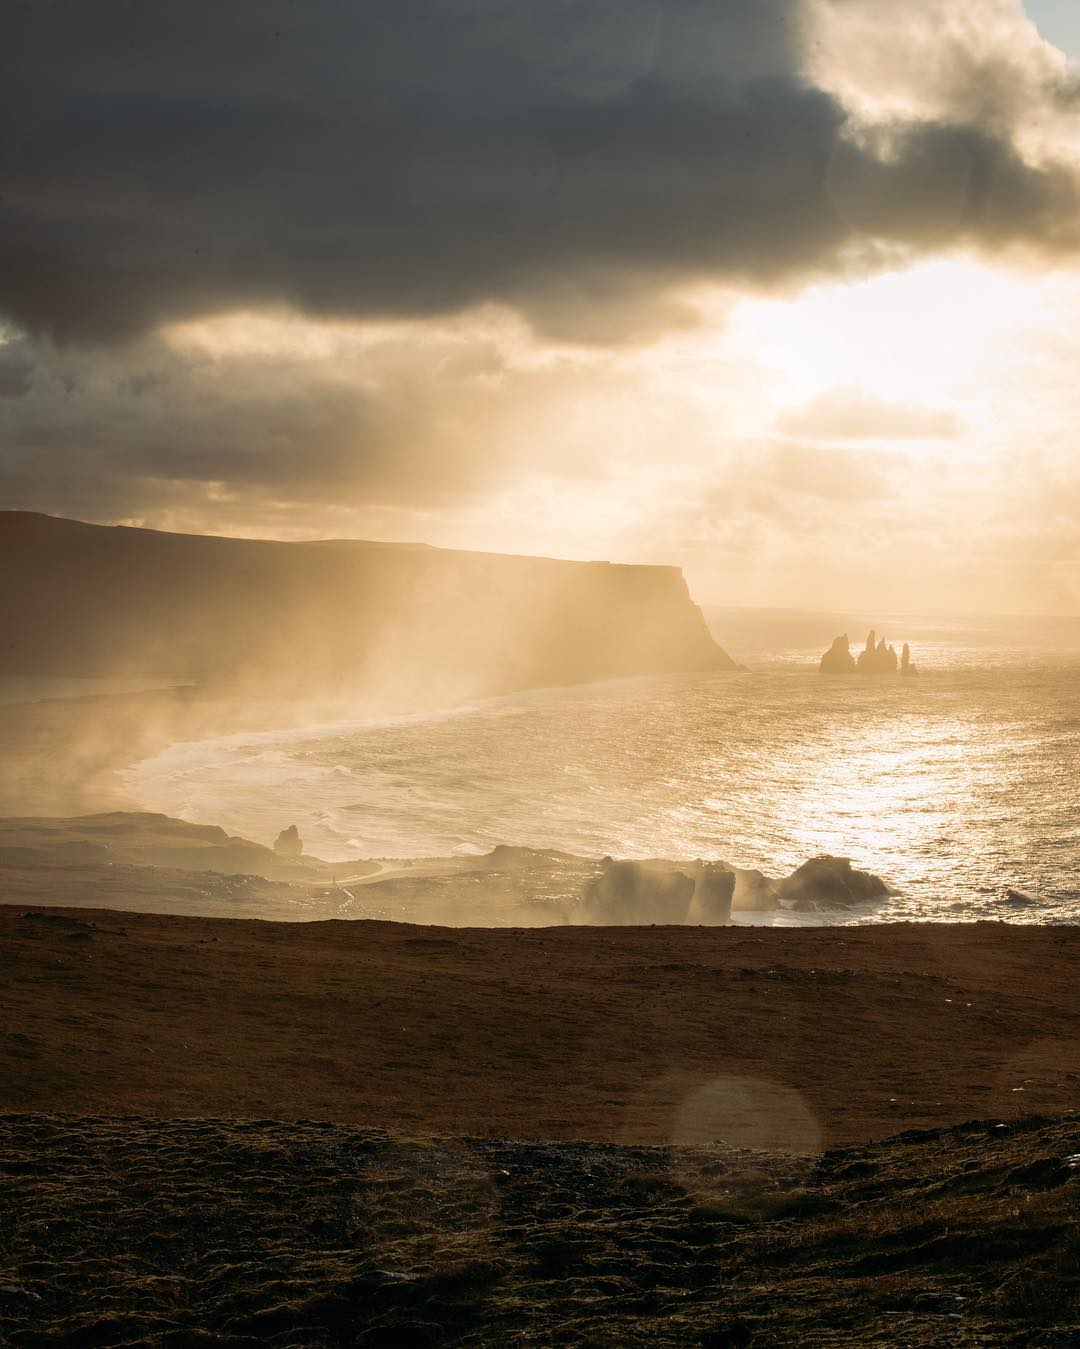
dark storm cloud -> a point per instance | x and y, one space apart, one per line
423 420
16 369
138 417
573 158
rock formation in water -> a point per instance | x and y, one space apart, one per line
754 892
877 657
121 859
631 892
906 667
627 893
127 841
705 893
714 890
830 882
838 659
289 844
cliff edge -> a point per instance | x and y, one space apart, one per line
425 624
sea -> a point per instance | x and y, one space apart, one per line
960 786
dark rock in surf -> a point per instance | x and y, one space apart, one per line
830 882
877 657
838 659
754 891
714 890
696 893
289 844
633 893
906 667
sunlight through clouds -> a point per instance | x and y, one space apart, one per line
711 288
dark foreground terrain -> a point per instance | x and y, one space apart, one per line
784 1040
727 1080
134 1231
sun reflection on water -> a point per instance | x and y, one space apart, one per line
954 787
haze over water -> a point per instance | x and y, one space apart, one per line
955 786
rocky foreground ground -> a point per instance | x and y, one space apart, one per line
135 1231
692 1109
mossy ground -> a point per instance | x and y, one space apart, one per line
135 1231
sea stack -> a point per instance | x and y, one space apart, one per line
838 659
289 844
877 657
906 667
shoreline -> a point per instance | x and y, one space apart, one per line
766 1092
77 757
67 756
287 727
64 756
141 861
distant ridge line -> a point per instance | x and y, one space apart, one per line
406 545
294 619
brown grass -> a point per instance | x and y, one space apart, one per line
783 1039
136 1231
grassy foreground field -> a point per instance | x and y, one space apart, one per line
555 1136
783 1040
135 1231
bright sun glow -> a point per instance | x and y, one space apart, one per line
927 335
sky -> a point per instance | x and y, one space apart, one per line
783 293
1059 22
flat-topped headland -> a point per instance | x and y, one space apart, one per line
423 626
256 635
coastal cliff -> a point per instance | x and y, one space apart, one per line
422 623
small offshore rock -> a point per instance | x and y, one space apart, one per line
289 844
